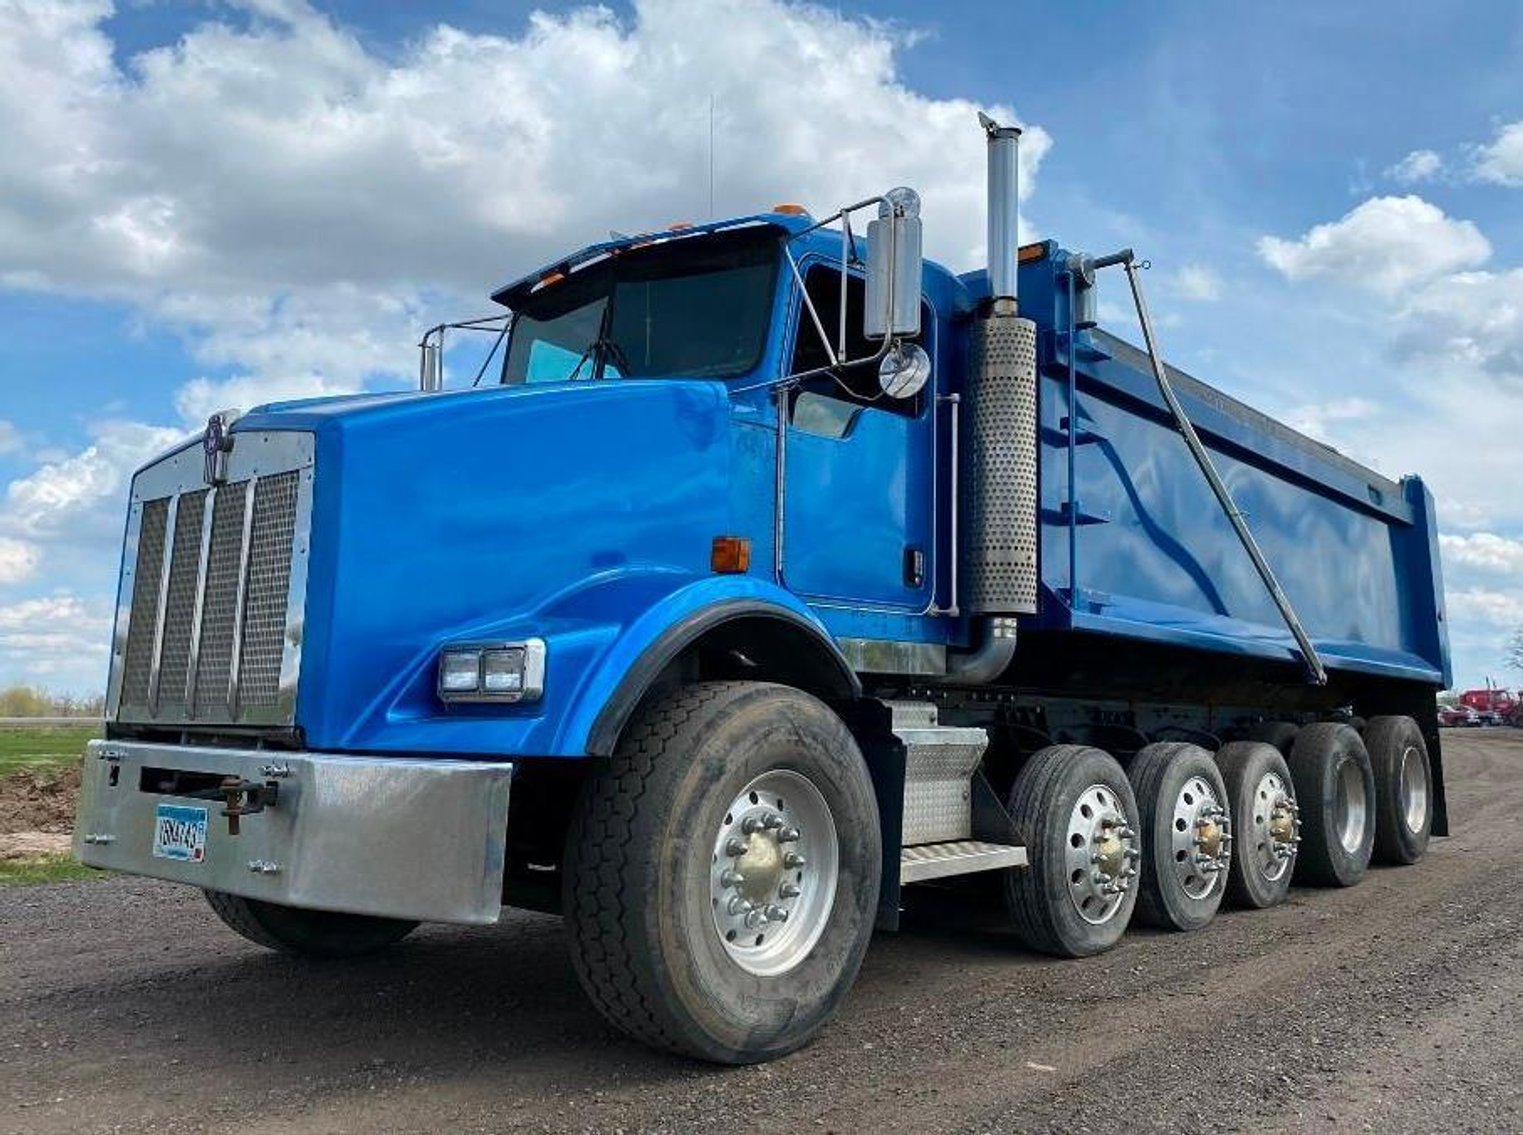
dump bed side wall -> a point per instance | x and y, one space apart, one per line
1135 544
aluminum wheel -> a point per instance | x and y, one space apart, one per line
1414 789
1276 827
1352 808
1200 838
776 861
1101 856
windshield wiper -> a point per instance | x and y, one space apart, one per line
601 349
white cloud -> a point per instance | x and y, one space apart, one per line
1469 323
18 560
10 439
82 497
1323 420
1484 551
59 640
295 203
1501 161
1419 165
1385 244
1200 283
1494 608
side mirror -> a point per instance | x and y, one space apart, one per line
894 267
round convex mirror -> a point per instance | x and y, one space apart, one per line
904 371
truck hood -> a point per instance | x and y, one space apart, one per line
499 512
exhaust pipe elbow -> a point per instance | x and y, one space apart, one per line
990 659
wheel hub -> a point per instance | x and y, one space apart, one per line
1200 838
1101 856
1276 827
773 872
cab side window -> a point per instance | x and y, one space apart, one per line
828 403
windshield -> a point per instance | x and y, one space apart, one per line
693 308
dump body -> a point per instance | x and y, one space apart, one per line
1134 544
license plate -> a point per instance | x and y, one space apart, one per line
179 833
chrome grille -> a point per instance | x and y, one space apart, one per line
217 587
138 663
214 668
264 629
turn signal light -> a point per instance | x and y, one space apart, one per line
731 555
791 210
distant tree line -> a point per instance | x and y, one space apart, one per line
29 701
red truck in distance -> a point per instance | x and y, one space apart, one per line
1494 706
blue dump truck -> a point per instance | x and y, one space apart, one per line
766 573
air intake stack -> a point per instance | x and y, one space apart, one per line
999 541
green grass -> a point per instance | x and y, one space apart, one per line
45 869
43 748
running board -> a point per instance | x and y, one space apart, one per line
960 857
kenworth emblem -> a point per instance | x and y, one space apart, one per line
216 445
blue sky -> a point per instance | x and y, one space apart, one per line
210 204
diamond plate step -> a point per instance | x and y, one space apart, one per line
960 857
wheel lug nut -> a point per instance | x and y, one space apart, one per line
735 848
793 859
739 905
787 835
773 820
731 878
751 825
788 891
776 913
754 919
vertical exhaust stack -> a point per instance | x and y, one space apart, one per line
1004 206
998 564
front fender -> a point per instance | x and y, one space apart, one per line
606 641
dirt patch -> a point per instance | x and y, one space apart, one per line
33 845
38 801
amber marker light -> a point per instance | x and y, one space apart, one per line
731 555
791 210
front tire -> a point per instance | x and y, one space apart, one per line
309 933
722 874
1335 789
1076 811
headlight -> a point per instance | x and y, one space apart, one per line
493 672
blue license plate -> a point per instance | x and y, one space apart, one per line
179 833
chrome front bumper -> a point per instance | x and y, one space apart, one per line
403 838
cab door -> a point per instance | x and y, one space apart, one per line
859 520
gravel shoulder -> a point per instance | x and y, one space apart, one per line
1393 1006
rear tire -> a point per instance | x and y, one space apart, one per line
1058 904
309 933
1335 789
1262 799
650 877
1403 789
1186 826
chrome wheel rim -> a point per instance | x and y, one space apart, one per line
1200 838
1351 807
1101 854
774 871
1276 827
1414 789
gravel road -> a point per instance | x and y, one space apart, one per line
1394 1006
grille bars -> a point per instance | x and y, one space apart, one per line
240 602
161 601
198 614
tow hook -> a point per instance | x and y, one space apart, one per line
245 798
